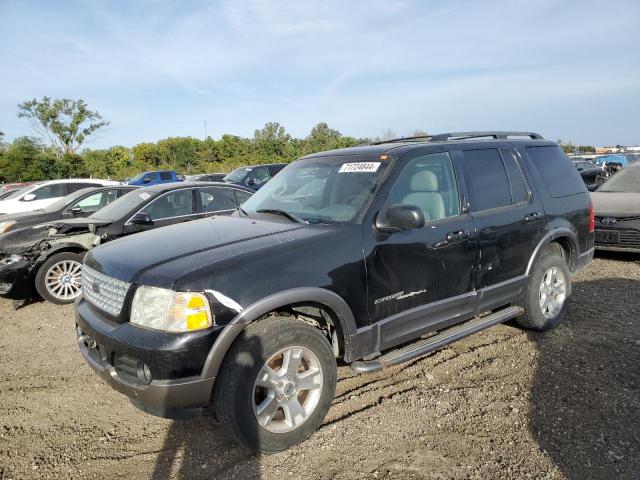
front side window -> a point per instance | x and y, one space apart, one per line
428 182
242 197
488 179
49 191
215 199
74 187
95 202
342 186
174 204
164 176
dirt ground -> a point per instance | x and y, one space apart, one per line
502 404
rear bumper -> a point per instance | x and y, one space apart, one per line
584 259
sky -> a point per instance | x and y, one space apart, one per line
567 69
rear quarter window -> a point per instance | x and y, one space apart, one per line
560 176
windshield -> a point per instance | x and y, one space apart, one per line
20 191
121 206
237 175
138 177
626 180
321 190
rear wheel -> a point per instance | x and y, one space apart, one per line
276 384
59 279
546 298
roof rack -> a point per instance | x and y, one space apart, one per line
443 137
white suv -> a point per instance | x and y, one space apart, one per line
43 194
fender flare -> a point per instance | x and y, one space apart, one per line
561 232
263 306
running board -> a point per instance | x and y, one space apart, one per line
428 345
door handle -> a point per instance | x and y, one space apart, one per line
459 235
532 217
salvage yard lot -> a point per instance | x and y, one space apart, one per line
501 404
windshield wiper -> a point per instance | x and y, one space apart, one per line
241 211
282 213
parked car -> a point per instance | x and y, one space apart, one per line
206 177
78 204
397 239
592 175
12 187
145 179
43 194
617 211
47 259
254 176
9 192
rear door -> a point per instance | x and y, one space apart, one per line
508 219
215 201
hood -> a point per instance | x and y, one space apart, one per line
22 217
160 257
24 239
614 204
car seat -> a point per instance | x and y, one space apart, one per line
424 194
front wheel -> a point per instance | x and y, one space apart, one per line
276 384
546 298
59 279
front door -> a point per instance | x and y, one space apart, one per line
421 280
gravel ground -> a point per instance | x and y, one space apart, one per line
502 404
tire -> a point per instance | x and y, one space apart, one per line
539 314
240 399
60 291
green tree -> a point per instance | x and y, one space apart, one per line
272 141
25 160
65 123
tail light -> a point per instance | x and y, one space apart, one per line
592 218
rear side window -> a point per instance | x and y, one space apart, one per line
560 177
488 179
74 187
519 190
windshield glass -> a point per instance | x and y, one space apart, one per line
626 180
237 175
20 191
138 177
121 206
321 190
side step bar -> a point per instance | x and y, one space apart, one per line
428 345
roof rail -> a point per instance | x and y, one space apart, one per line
443 137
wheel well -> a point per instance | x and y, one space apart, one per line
317 315
566 247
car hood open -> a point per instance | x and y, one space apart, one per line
160 257
616 203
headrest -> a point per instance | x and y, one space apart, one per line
424 181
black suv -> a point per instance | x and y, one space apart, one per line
353 254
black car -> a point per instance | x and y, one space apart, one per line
206 177
254 176
592 175
445 235
78 204
47 259
617 211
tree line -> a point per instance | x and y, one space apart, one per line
29 158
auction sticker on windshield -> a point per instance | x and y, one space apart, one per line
359 167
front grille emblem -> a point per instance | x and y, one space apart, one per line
608 221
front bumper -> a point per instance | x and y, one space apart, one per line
16 281
115 353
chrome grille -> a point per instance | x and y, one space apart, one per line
104 292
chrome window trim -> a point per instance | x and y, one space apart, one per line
128 222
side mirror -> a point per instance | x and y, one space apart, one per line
251 182
592 188
146 180
29 197
75 210
141 219
401 216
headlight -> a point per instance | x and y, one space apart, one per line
11 259
6 226
163 309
